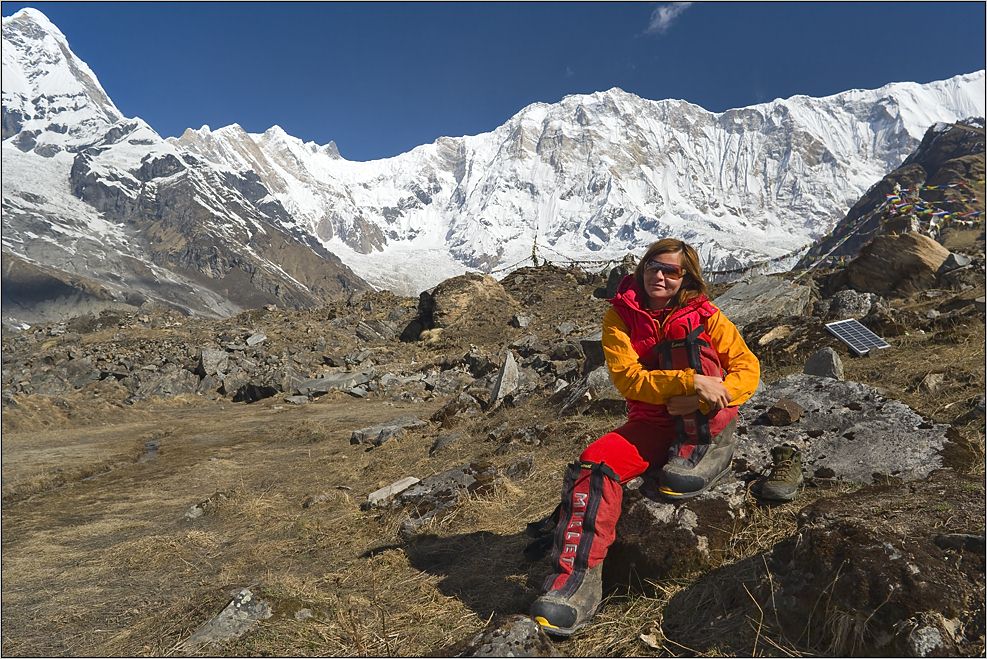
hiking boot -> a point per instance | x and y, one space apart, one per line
782 484
561 614
694 467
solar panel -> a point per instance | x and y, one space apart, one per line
860 339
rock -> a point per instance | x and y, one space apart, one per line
212 361
595 394
825 363
256 339
303 614
566 328
507 380
519 469
953 262
849 432
436 494
461 404
171 380
775 334
763 297
457 300
865 563
377 435
563 351
659 540
511 636
332 382
616 275
851 304
592 346
444 440
240 616
897 264
529 345
375 330
932 383
520 321
784 412
296 400
385 494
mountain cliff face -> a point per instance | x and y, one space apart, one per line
217 220
595 176
91 194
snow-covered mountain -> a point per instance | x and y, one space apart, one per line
99 210
595 176
588 178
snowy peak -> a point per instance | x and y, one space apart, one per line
52 101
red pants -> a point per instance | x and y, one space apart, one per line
592 495
633 448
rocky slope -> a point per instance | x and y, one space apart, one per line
401 475
938 185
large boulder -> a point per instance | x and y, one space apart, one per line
888 570
465 301
897 264
763 297
660 540
849 432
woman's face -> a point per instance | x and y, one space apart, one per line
663 278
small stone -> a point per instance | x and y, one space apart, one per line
520 321
296 400
377 497
303 614
777 333
825 363
932 383
255 339
785 412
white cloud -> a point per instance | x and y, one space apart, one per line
664 15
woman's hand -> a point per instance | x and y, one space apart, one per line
682 405
710 389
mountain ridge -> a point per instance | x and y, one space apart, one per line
587 179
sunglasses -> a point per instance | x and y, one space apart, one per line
667 269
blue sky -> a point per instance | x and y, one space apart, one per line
382 78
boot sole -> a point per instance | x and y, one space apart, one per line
675 496
789 497
552 630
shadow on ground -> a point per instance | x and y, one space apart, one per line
487 572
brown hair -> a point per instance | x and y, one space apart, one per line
693 283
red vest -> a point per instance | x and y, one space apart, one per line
677 342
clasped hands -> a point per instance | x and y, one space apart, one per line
709 389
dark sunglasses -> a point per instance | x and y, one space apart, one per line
667 269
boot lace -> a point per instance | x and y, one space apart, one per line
782 470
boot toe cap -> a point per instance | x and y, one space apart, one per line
555 617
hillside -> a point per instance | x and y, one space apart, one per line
141 507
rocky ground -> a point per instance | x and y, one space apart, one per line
357 479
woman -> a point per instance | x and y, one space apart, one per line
683 368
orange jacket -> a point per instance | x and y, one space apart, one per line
634 382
